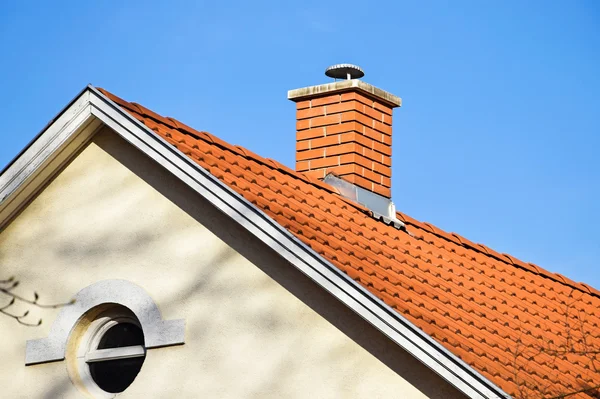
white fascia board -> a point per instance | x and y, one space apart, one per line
313 265
67 132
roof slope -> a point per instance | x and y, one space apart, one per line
531 332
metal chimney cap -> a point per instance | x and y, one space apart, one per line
344 71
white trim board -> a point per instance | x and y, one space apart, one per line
97 107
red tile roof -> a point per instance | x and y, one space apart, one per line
532 332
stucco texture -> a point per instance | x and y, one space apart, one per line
255 326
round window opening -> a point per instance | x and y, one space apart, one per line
110 350
118 358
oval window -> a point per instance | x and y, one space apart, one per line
118 358
111 350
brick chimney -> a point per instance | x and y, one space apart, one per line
345 128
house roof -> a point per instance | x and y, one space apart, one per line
531 332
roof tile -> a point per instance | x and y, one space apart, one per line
508 319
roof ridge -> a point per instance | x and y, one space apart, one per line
451 237
505 258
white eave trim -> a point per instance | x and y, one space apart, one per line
96 106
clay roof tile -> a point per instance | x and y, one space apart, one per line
479 304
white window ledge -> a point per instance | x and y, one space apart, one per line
157 332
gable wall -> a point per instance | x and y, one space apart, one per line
255 327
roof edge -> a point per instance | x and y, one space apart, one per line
12 161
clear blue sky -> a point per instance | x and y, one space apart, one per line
499 133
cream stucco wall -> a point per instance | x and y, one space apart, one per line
255 327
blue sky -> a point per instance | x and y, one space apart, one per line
497 138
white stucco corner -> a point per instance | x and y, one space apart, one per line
157 332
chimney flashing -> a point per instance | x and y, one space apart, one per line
343 86
382 208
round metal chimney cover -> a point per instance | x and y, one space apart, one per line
344 71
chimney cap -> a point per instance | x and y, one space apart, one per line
344 71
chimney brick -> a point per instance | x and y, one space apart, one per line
345 128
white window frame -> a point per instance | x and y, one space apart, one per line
87 352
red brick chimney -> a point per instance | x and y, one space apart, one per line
345 128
